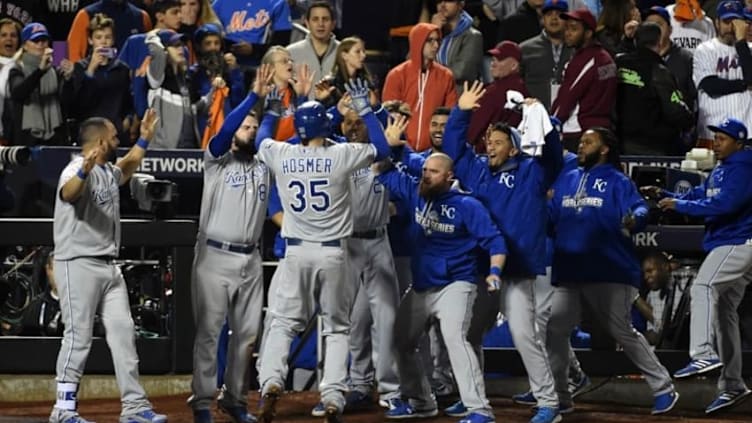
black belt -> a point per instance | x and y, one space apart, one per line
332 243
372 234
229 246
108 259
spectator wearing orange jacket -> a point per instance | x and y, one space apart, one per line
422 83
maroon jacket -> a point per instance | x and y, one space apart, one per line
588 91
492 109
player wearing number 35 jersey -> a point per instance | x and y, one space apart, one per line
313 179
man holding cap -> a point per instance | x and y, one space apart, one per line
544 56
724 201
505 70
588 90
719 76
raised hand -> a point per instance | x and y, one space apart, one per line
394 130
470 96
359 92
304 82
344 104
262 83
274 102
149 124
66 66
91 157
323 90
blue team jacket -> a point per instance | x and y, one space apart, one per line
515 194
445 233
570 163
587 210
725 201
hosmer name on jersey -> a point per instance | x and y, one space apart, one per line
307 165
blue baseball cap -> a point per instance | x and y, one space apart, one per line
205 30
731 127
560 5
171 38
660 11
730 9
33 32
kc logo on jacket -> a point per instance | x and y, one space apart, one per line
507 179
600 185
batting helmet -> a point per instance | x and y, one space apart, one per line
311 121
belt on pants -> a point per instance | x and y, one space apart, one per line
296 241
372 234
107 259
229 246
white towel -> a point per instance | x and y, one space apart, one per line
534 126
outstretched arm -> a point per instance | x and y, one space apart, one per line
132 160
455 132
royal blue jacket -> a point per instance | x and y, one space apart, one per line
587 211
570 163
515 194
725 201
445 233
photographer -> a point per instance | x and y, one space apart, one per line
213 64
42 316
34 87
99 86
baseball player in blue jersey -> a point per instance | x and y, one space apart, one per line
446 229
227 273
313 179
86 230
593 211
513 186
725 201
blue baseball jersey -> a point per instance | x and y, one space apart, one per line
252 21
590 243
445 232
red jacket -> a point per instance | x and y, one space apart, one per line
588 91
405 82
492 109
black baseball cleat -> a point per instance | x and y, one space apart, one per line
268 405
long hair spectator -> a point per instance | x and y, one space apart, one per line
194 13
611 24
34 87
100 72
349 63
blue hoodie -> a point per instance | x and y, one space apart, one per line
725 201
515 194
445 233
587 211
570 163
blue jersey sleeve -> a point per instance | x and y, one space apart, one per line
552 158
483 229
400 185
635 205
733 194
377 136
222 141
454 143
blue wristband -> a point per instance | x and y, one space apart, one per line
81 174
142 143
495 270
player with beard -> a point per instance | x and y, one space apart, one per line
447 227
594 210
228 279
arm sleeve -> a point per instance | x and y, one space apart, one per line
77 36
413 162
673 107
635 205
400 185
221 142
265 130
695 193
377 136
454 144
552 158
718 87
480 225
237 87
157 64
21 88
733 196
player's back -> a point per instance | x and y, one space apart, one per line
314 186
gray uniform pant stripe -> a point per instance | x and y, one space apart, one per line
225 285
373 313
452 305
611 304
732 272
87 285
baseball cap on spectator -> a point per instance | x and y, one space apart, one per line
731 127
171 38
560 5
583 15
730 9
506 49
34 31
205 30
660 11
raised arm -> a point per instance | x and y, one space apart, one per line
359 92
132 160
455 132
